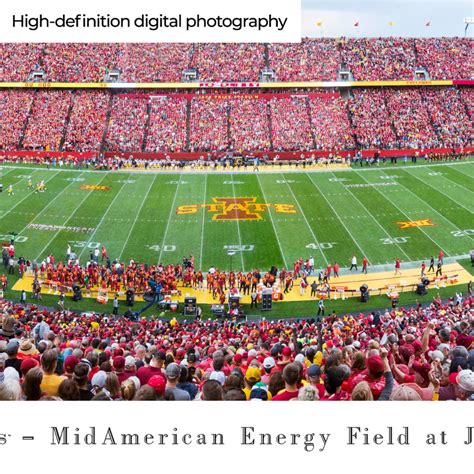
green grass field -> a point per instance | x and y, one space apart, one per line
335 214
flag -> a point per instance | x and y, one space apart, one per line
391 23
356 23
428 23
319 23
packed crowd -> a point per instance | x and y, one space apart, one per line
126 127
78 62
310 60
449 117
330 124
378 59
249 125
410 119
291 129
18 60
153 62
377 118
208 125
371 119
314 59
47 120
446 58
167 129
14 110
405 354
86 125
228 61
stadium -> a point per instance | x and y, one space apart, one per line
237 221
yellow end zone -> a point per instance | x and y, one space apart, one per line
347 286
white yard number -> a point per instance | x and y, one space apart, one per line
240 248
462 233
166 248
81 244
233 182
435 173
23 176
389 176
285 181
18 238
394 240
321 245
75 180
337 180
126 181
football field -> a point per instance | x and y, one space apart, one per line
406 212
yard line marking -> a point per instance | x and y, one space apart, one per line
136 217
238 227
456 227
306 220
273 224
103 218
67 219
461 171
47 205
376 221
203 222
428 184
28 195
404 213
337 215
168 222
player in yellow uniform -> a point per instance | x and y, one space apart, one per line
30 184
10 190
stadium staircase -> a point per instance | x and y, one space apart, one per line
392 126
433 125
469 112
270 125
107 121
188 125
351 123
25 125
67 120
147 127
308 110
229 138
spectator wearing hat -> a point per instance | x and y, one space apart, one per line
27 365
8 326
69 364
51 380
173 373
313 376
26 350
252 376
268 366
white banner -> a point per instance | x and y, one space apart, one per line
227 437
150 21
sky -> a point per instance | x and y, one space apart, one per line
409 17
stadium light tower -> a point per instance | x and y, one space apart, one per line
468 20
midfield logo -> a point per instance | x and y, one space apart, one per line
236 208
418 223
